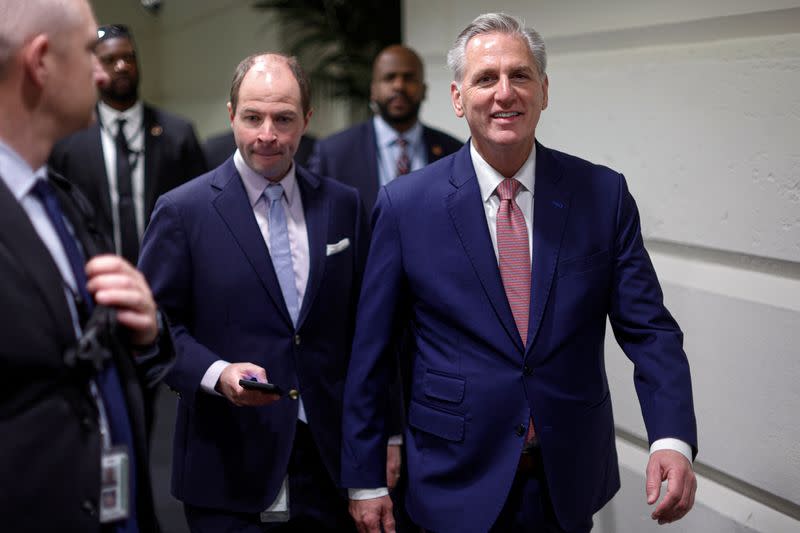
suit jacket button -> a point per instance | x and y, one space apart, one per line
89 507
528 371
297 340
520 430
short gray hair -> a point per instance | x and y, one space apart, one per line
20 20
495 23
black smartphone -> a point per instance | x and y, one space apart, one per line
269 388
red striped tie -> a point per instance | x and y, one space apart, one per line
515 259
515 265
403 161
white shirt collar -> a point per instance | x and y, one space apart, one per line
16 173
255 183
489 178
134 116
385 135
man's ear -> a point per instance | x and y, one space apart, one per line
545 90
231 113
455 96
35 57
307 120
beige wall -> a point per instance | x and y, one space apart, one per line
188 53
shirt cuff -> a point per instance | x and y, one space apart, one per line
672 444
211 377
367 494
395 440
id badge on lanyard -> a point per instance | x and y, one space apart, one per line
114 485
114 474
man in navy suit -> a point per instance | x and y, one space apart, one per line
370 154
257 265
508 257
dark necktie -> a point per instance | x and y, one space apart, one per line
515 264
107 380
128 233
403 161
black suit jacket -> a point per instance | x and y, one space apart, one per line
351 156
172 156
50 446
220 147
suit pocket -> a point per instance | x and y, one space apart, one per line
333 249
444 387
578 265
439 423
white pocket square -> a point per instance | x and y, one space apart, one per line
332 249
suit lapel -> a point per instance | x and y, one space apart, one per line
152 155
550 211
97 163
465 206
233 206
24 246
316 209
433 150
370 173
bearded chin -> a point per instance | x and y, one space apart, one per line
383 109
116 93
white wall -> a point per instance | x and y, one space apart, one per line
698 103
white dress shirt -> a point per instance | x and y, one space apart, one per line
134 134
389 151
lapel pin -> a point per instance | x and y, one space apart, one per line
436 150
558 204
156 131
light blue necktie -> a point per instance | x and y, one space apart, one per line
279 249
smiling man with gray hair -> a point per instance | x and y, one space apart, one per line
508 258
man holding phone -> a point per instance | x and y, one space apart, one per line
258 265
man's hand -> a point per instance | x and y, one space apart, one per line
681 485
371 514
114 282
228 385
393 462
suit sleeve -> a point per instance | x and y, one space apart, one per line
648 334
166 262
365 420
193 159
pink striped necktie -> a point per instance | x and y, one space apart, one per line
403 161
515 259
515 264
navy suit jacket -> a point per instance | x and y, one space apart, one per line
473 384
211 273
351 156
